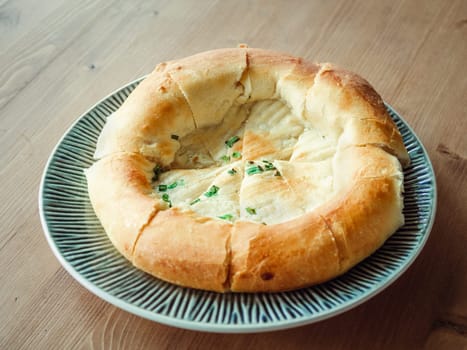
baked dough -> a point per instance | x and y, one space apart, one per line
248 170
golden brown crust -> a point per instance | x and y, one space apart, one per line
284 256
368 207
354 98
355 87
282 109
183 248
257 145
364 217
119 187
145 122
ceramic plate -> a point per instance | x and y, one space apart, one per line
82 247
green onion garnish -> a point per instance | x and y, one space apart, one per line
251 211
277 173
236 155
165 198
268 165
256 169
163 188
230 142
212 191
232 171
174 137
225 158
195 201
226 217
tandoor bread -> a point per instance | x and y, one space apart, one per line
248 170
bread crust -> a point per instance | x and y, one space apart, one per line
355 139
186 249
354 100
284 256
209 85
146 121
364 217
119 188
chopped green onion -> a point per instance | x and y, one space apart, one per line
277 173
251 211
165 198
174 137
225 158
230 142
212 191
195 201
226 217
172 185
232 171
268 165
256 169
163 188
236 155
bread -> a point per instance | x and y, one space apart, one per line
248 170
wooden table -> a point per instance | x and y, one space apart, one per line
57 58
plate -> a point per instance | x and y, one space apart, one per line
82 247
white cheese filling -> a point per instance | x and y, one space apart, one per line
261 164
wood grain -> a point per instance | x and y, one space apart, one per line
57 58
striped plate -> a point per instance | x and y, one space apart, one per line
82 247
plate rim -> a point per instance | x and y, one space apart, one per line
229 328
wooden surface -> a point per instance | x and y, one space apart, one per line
57 58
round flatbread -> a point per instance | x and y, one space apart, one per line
248 170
